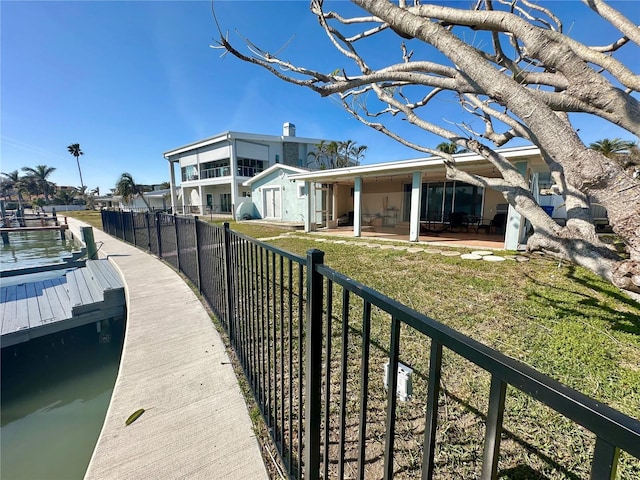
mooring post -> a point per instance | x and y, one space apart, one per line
55 216
21 216
5 223
87 235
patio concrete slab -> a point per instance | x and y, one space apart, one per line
174 365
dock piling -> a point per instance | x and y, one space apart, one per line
87 235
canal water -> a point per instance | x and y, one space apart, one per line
55 390
31 249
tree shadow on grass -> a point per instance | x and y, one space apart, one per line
521 472
624 321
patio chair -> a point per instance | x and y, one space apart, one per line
458 220
498 224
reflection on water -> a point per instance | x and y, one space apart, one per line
55 394
31 249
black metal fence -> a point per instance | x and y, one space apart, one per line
312 343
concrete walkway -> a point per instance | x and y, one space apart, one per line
174 365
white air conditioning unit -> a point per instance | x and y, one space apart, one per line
404 380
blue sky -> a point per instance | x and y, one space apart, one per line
129 80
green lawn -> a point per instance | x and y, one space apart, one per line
92 217
560 319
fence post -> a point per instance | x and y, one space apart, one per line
226 252
313 366
159 234
133 228
497 393
146 221
197 247
121 225
175 227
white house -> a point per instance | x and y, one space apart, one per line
214 170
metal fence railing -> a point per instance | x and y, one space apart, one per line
311 342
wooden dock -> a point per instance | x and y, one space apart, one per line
35 229
84 295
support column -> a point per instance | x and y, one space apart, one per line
357 207
309 217
202 204
234 183
334 203
173 187
515 221
416 200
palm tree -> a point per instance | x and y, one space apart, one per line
40 176
448 147
350 153
625 152
66 196
13 182
337 154
612 148
74 149
319 155
127 188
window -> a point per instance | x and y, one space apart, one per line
225 202
248 167
439 199
189 173
302 190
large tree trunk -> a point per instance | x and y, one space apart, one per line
588 171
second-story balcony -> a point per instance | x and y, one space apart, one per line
216 172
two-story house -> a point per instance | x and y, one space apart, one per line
213 170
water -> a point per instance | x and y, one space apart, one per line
32 249
55 394
55 390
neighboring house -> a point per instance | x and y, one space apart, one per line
274 196
214 170
158 200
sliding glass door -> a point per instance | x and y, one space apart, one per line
439 199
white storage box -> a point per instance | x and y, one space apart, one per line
405 386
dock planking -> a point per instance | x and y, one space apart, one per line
85 295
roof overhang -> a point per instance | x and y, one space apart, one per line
465 161
273 168
230 136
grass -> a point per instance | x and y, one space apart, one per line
251 229
92 217
560 319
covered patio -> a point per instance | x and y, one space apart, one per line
414 200
445 239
